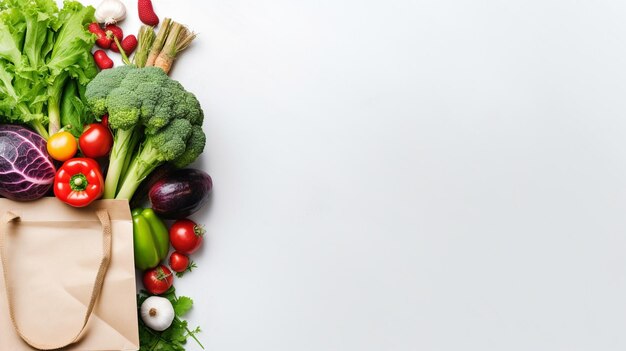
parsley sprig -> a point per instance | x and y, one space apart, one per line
173 338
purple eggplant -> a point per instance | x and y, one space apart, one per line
180 193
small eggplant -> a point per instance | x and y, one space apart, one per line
180 193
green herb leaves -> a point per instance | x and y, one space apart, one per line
173 338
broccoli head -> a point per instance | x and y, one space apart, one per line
154 120
100 87
195 147
194 110
168 143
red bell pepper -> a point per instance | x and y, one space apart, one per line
79 182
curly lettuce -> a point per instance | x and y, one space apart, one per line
45 52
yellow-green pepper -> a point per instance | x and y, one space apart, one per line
151 238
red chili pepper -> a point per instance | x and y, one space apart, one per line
79 182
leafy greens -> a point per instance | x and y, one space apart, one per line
45 62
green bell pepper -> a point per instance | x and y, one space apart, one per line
151 238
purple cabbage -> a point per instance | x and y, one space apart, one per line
26 169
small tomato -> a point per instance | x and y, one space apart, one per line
179 262
96 141
186 236
158 280
62 146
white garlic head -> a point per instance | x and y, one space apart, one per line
157 313
110 12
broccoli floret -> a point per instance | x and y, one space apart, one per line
194 110
145 75
100 87
152 94
195 147
168 144
124 107
145 108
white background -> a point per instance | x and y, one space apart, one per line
438 175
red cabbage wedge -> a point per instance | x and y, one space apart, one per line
26 169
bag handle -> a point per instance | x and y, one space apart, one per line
105 220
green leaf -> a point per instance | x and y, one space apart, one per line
183 305
173 338
73 43
73 111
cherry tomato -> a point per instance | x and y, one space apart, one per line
62 146
186 236
96 141
179 262
158 280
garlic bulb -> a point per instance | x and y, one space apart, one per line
157 312
110 12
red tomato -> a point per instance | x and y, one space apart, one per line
179 262
96 141
158 280
186 236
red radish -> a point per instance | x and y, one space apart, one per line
114 47
102 60
102 40
146 12
129 44
115 30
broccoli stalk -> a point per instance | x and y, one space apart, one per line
122 142
140 167
168 144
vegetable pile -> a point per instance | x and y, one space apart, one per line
154 120
75 127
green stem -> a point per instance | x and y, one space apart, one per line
122 52
189 332
193 335
55 91
54 116
78 182
159 41
143 164
120 148
35 123
39 128
146 38
155 344
130 155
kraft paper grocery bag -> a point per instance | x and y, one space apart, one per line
68 276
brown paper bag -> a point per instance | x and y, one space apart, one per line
68 276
